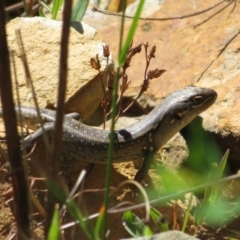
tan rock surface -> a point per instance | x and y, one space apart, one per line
202 50
41 38
188 53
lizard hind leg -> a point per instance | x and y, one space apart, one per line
36 137
74 115
142 172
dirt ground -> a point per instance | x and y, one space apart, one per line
92 198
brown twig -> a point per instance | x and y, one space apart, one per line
16 6
219 54
57 137
125 82
95 64
160 19
23 57
106 101
148 75
20 185
215 14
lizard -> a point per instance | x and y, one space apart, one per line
138 141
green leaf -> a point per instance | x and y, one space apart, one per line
79 10
99 224
54 228
135 226
159 220
56 6
147 231
44 5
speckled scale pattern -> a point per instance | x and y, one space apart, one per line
84 143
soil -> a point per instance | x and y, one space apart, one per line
91 199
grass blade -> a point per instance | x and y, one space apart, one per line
44 5
56 6
41 13
159 220
54 228
99 224
72 208
131 32
121 56
219 173
25 7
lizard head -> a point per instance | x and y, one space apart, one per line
179 109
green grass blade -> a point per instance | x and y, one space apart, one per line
223 163
159 220
99 224
54 228
25 7
114 110
220 169
44 5
72 208
56 6
79 10
132 30
41 13
187 214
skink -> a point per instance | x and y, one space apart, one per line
138 141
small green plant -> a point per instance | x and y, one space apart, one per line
57 4
212 193
214 206
137 228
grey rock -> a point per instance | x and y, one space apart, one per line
170 235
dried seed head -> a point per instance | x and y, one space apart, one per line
95 64
155 73
124 79
152 52
131 53
108 97
104 103
110 80
106 51
127 62
137 49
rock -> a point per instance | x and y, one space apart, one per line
201 50
84 89
169 235
174 152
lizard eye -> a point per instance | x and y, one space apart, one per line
198 100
